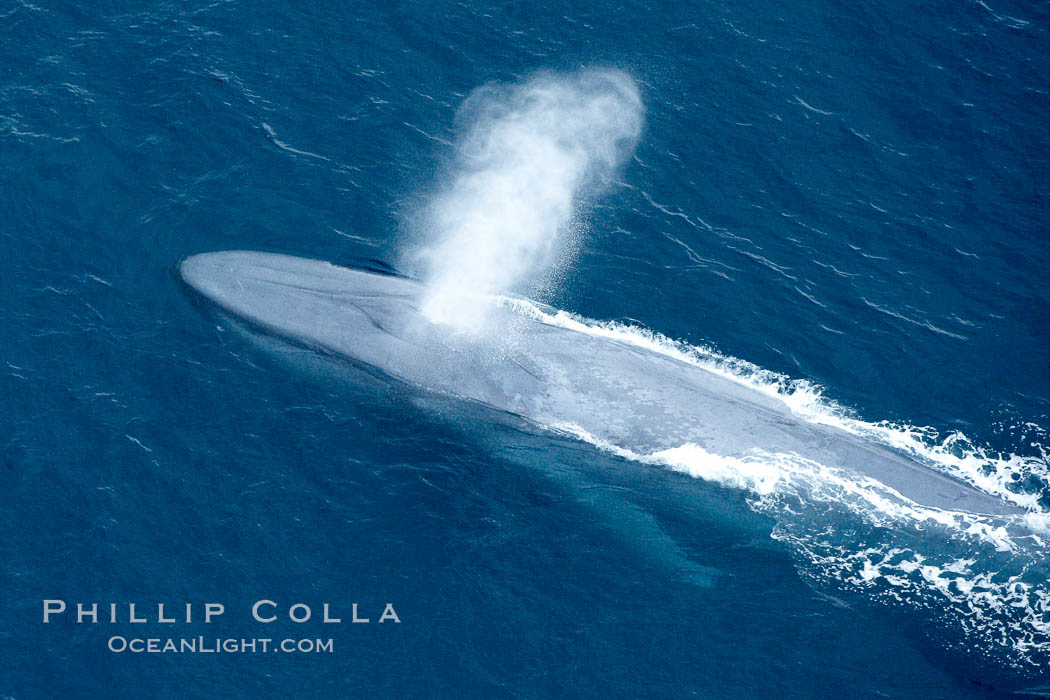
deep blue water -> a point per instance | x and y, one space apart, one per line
853 195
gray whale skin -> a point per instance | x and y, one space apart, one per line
628 396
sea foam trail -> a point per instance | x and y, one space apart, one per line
530 157
982 576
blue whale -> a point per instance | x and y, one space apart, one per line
625 396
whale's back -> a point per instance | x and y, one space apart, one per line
627 396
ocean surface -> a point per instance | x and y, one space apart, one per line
841 205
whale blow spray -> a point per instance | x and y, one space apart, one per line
530 156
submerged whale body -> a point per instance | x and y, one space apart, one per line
625 396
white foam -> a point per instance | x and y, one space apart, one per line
983 576
1000 603
766 474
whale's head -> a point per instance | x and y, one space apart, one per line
296 297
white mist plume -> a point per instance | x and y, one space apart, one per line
530 156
